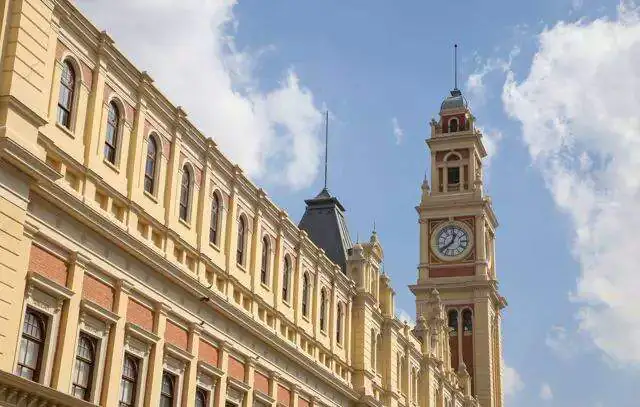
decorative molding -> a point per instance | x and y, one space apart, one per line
99 312
141 334
176 352
48 286
210 370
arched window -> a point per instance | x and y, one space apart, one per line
111 137
67 90
240 243
398 370
185 193
339 321
215 219
286 277
167 390
305 294
414 385
467 320
453 321
201 398
453 125
403 375
373 350
85 361
323 309
128 382
31 346
264 264
150 166
379 353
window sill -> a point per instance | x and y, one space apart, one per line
111 165
287 303
305 318
184 223
65 130
241 267
214 246
266 287
151 196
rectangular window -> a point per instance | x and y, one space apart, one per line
453 175
34 334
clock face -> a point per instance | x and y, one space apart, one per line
451 241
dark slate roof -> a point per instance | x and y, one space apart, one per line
325 223
455 101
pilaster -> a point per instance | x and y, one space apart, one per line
154 377
191 372
221 388
115 346
65 354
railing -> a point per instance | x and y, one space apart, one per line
19 392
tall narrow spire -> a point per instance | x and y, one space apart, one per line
326 147
455 66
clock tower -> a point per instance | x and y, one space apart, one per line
457 248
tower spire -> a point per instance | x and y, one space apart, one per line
455 66
326 146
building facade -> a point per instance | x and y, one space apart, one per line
140 267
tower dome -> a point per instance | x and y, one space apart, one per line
454 101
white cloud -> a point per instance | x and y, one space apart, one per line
545 392
511 381
398 133
188 48
476 86
578 108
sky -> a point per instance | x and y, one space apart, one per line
553 83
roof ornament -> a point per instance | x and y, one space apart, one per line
455 66
326 147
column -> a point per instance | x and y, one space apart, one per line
295 393
173 179
65 354
95 107
221 388
154 375
115 347
203 218
231 242
255 251
296 281
347 332
273 387
138 143
250 372
191 372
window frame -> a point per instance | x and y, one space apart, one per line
306 285
264 260
286 279
184 202
339 322
150 180
43 321
174 384
115 124
323 310
93 344
135 381
71 87
214 221
241 237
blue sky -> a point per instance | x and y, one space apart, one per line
553 174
